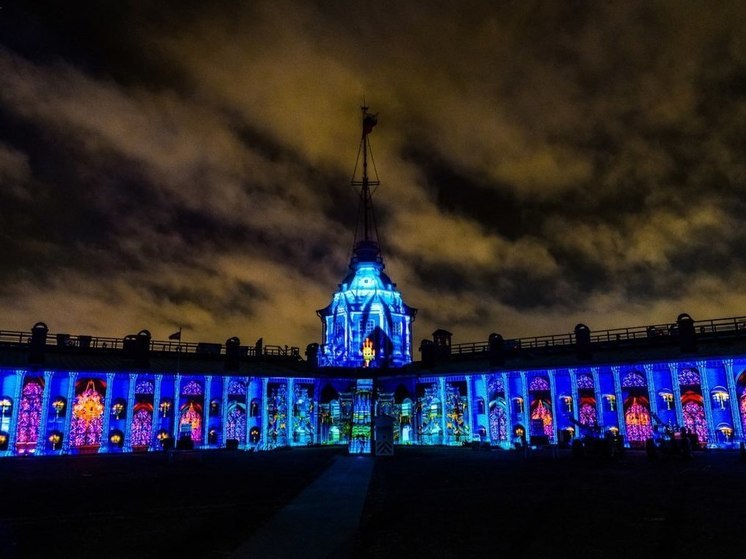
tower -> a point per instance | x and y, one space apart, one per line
367 324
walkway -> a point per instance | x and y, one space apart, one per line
322 521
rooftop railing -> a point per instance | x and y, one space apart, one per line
165 346
705 329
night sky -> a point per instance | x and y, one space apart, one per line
167 164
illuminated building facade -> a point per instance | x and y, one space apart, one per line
367 324
163 394
64 394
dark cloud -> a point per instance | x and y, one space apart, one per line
542 163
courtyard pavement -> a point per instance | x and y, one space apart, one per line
422 502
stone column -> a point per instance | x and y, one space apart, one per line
177 402
104 446
247 411
704 384
674 368
206 411
485 393
553 400
508 408
575 396
157 419
652 391
526 405
13 428
471 414
264 440
315 415
130 412
41 440
224 412
616 373
735 404
291 411
442 392
69 411
599 397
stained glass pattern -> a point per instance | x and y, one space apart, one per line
29 413
689 377
192 417
191 388
237 388
637 420
144 387
142 426
498 422
633 379
538 383
495 385
587 414
87 421
694 419
236 424
541 410
585 381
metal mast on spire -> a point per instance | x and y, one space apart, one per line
366 249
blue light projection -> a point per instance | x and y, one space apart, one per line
367 324
367 309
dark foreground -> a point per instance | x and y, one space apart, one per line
423 502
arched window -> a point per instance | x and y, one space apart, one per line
88 416
236 388
587 412
585 381
538 384
689 377
693 411
142 424
191 388
634 379
637 419
495 386
144 387
541 410
191 414
236 424
29 416
498 421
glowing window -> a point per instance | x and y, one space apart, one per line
87 422
192 388
498 422
191 416
633 379
585 381
495 385
538 383
236 425
29 414
144 387
142 424
689 377
237 388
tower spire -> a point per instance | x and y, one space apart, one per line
366 249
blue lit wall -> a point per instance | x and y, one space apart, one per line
367 323
142 411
